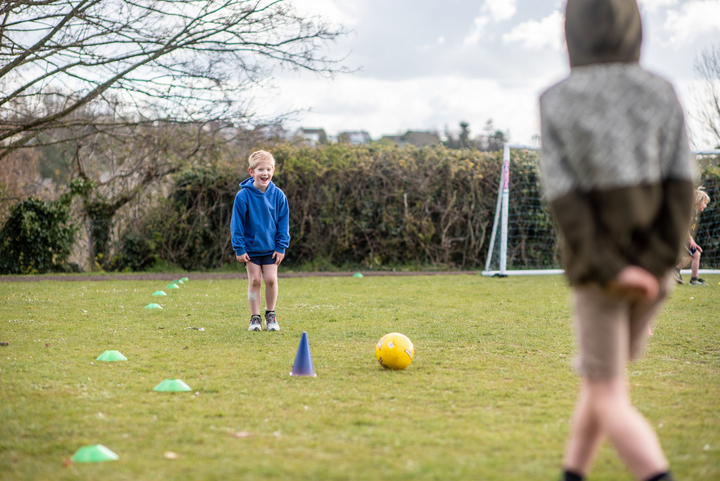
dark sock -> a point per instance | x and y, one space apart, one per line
570 476
693 278
268 312
666 476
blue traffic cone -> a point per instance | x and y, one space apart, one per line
303 360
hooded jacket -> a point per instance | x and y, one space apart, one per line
260 220
615 164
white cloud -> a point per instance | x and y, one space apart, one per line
538 35
478 29
347 13
500 9
441 40
694 19
389 107
495 10
397 91
654 5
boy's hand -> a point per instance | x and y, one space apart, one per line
278 258
243 258
636 282
693 245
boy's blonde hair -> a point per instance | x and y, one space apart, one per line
701 196
259 157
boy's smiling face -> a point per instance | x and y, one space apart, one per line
262 174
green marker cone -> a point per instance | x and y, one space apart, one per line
179 281
111 356
172 285
94 454
172 385
159 293
184 279
358 274
152 305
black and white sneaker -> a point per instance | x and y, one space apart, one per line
255 323
271 322
678 277
697 282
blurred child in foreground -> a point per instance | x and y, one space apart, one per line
619 179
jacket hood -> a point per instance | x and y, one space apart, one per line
602 31
249 184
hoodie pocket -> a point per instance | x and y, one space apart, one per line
263 241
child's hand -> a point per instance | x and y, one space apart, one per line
693 245
278 258
636 282
243 258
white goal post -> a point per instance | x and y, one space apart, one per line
496 263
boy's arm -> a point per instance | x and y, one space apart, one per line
236 226
635 282
282 236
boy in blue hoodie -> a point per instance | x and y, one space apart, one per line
260 234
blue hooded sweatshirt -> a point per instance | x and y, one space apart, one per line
260 222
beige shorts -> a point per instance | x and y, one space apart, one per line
611 330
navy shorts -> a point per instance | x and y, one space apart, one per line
265 260
691 250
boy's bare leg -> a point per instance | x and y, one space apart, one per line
270 272
605 408
684 262
694 261
695 264
585 436
254 284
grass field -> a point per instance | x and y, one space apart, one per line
488 396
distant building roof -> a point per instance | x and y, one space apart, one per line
354 137
312 136
312 131
395 139
414 137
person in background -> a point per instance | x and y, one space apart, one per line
702 199
260 229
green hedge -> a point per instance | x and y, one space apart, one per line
384 205
37 237
370 206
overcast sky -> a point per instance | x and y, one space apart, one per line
429 64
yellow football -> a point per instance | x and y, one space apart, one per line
394 351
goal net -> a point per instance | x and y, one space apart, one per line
525 241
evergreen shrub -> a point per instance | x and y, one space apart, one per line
37 237
371 206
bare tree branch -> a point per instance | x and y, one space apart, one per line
707 66
70 65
